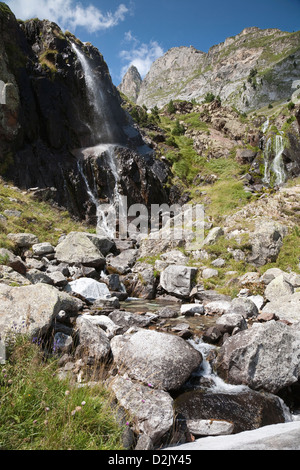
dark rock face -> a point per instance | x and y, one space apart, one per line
48 113
247 410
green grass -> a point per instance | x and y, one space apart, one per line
37 414
4 8
40 218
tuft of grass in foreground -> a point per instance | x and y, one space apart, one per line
38 411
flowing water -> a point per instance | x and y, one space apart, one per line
104 134
273 157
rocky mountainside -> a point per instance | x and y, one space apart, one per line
57 99
131 83
250 70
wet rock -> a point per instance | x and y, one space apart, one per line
245 410
209 427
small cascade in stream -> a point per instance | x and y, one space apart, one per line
273 157
105 135
205 370
217 385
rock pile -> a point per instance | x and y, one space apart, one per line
68 297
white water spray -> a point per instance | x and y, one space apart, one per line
273 156
103 131
205 370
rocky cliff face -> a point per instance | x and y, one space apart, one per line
47 113
250 70
131 83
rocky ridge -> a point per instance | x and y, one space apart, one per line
249 70
48 119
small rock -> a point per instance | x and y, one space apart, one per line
209 427
213 236
42 249
191 309
208 273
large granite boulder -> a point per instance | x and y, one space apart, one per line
264 357
80 248
246 410
152 410
162 360
178 280
31 309
266 242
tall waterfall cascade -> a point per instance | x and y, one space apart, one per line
274 167
106 144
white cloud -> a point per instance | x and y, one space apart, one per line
68 14
140 55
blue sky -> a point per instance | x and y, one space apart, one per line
139 31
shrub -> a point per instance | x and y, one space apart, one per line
209 97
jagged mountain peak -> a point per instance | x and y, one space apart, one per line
131 83
252 69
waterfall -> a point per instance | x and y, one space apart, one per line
105 135
278 165
106 222
102 127
273 156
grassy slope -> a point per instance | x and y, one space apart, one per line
223 198
39 218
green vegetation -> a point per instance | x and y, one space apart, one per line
210 97
142 117
171 107
39 411
47 60
4 8
40 218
